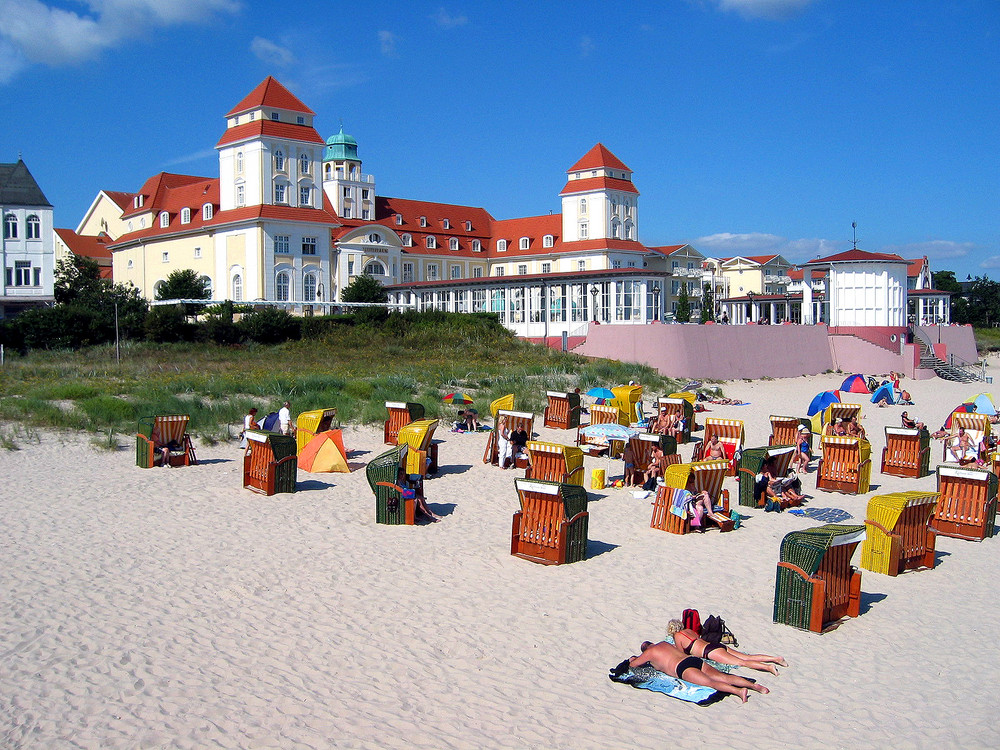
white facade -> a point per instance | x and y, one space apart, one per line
28 244
866 294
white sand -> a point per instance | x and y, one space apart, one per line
172 608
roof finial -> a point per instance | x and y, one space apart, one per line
19 155
854 226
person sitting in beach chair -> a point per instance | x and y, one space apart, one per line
714 450
692 644
654 469
910 423
672 661
963 447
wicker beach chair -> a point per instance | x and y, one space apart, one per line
310 423
422 458
694 477
751 462
394 496
601 414
516 420
504 402
967 505
815 584
846 465
667 499
270 463
683 410
563 410
627 398
552 462
551 527
898 535
832 413
785 430
400 414
639 452
730 433
155 433
907 452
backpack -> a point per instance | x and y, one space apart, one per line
691 620
715 631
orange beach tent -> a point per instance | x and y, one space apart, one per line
325 452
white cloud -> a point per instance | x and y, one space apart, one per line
933 249
387 43
271 53
586 45
34 32
725 244
204 153
992 262
770 9
446 20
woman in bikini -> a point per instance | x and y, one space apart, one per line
690 643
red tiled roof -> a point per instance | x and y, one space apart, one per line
89 246
270 93
598 183
271 128
157 188
666 249
916 266
582 245
599 157
761 259
857 255
122 200
534 228
796 274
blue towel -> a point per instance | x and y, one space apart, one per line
648 678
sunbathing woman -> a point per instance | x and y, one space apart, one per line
672 661
691 643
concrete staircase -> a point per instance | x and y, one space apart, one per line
945 370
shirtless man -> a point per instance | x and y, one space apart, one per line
670 660
963 448
663 423
714 450
655 467
854 429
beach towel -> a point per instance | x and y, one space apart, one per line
826 515
648 678
679 502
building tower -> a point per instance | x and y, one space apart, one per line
599 201
351 193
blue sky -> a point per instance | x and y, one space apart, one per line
752 126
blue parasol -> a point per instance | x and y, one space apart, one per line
601 393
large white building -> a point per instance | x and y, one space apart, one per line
28 257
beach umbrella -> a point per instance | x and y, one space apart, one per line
823 400
984 404
609 431
458 398
968 407
325 453
855 384
603 393
270 423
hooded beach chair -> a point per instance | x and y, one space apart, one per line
627 398
394 495
563 410
422 458
155 433
832 412
601 414
516 420
552 462
730 433
785 430
907 452
898 536
846 465
694 477
309 424
639 452
752 461
270 463
400 414
977 427
815 584
967 503
504 402
551 527
683 410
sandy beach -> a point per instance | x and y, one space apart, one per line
174 609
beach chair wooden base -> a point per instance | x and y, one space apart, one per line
822 615
898 562
664 520
967 505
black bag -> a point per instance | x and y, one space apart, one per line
714 630
650 484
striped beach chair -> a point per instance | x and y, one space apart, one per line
394 500
422 458
751 462
310 423
898 535
639 452
400 414
701 476
785 430
563 410
552 462
270 462
670 512
730 433
516 420
977 427
682 409
551 527
157 432
601 414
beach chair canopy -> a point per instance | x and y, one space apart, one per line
884 392
823 400
855 384
967 408
325 453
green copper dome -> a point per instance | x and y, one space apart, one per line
340 146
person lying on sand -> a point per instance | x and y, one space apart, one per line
691 643
670 660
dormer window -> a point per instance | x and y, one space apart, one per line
423 221
453 243
501 246
138 201
274 116
279 160
399 220
525 243
477 246
432 242
446 223
300 120
206 212
164 219
407 240
185 215
548 240
468 226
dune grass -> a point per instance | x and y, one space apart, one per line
355 369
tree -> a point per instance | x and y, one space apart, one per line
364 288
185 283
983 303
946 282
76 278
683 304
78 284
707 303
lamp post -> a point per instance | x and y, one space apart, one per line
656 302
750 296
594 291
788 306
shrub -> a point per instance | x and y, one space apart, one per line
269 325
371 316
166 324
59 327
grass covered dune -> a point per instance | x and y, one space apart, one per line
353 368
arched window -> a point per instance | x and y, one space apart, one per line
10 227
327 171
185 215
206 212
501 246
164 219
281 287
239 162
207 282
158 287
629 230
375 238
453 243
354 172
303 163
477 246
309 287
34 228
374 268
525 243
432 242
279 160
616 229
237 288
407 240
583 205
